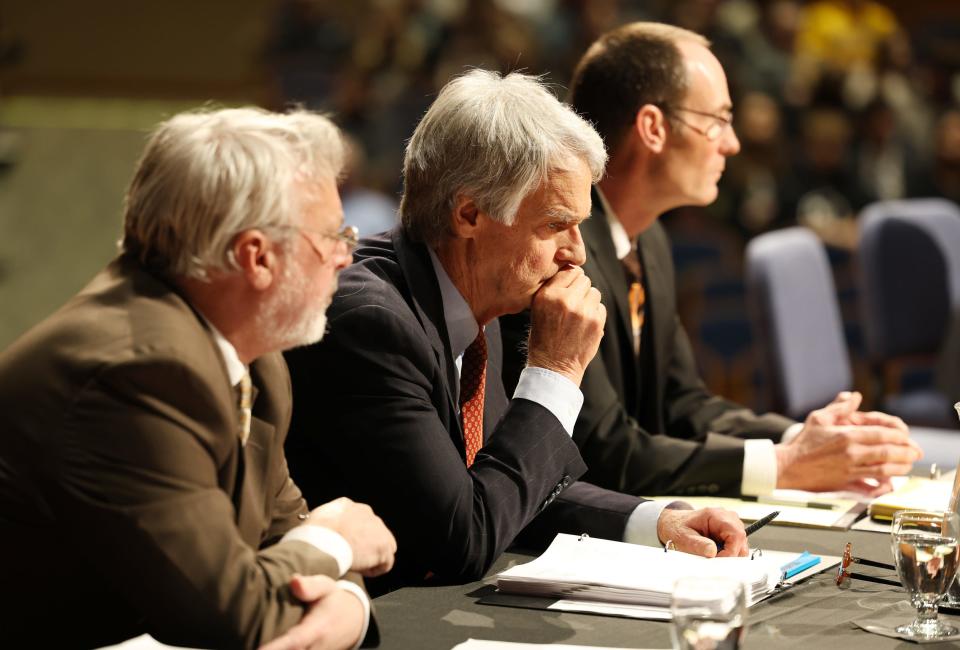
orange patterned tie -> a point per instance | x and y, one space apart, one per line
473 378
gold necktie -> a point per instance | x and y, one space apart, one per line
246 407
636 296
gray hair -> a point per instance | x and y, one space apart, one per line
494 139
207 175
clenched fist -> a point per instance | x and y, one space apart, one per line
566 324
372 542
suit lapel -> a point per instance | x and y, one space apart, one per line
252 495
653 345
602 256
428 306
495 400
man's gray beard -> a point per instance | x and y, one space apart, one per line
309 327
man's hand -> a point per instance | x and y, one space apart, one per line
698 531
840 448
566 324
333 621
372 543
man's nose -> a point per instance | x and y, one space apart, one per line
343 259
730 143
573 251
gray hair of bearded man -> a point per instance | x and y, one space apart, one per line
208 175
493 138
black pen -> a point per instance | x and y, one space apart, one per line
761 522
754 527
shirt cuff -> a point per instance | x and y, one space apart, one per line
365 601
759 467
552 391
324 539
791 432
642 523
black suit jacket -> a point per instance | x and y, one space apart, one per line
375 418
649 426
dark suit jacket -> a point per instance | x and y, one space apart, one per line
375 415
127 504
650 427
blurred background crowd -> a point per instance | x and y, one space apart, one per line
837 103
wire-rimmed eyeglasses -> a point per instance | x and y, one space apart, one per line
844 574
349 236
717 127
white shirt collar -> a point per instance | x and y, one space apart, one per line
462 327
235 368
621 242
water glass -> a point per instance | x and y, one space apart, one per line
925 553
708 613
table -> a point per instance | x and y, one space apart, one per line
814 614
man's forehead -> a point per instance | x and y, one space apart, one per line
567 187
322 201
705 76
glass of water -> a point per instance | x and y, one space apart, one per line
926 555
708 613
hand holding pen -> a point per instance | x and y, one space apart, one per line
707 532
754 527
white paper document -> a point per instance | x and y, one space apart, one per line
478 644
916 493
144 642
606 577
794 508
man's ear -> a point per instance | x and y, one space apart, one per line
465 221
651 127
256 255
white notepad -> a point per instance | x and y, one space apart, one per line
603 576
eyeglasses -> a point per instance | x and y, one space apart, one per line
713 132
348 235
843 574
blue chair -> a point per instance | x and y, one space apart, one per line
796 320
793 307
909 256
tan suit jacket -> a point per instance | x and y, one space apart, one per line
127 504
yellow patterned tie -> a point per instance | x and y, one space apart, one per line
246 407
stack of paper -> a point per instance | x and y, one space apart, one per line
584 568
917 493
813 512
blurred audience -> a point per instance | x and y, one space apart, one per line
365 208
836 100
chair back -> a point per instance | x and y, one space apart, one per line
909 264
793 306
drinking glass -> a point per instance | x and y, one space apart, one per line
708 613
952 598
925 552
